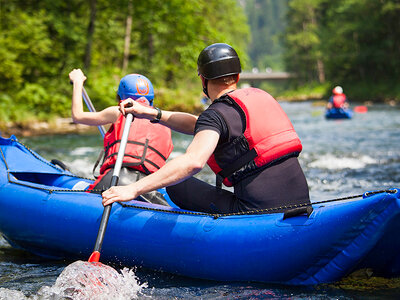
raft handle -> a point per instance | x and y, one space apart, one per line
294 212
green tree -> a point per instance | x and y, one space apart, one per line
267 21
41 41
364 40
303 39
354 42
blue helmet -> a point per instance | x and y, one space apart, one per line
135 86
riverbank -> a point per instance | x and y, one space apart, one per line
60 126
57 126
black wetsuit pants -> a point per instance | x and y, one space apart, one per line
282 184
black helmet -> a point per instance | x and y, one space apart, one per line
218 60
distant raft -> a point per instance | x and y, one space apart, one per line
42 213
339 113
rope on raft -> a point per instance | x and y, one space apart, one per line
215 216
265 210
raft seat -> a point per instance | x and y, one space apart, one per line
49 179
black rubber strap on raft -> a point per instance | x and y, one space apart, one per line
294 212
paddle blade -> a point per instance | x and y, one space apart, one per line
95 257
360 109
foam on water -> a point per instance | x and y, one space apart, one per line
83 281
7 294
82 167
331 162
81 151
3 242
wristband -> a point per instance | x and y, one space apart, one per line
158 117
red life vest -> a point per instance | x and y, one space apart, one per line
339 100
268 137
149 145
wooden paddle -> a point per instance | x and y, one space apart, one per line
95 256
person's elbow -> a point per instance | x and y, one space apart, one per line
194 165
75 118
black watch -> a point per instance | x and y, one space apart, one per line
158 117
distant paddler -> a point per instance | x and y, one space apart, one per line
338 99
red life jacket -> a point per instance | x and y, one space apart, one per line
339 100
149 145
268 137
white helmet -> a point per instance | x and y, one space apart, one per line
337 90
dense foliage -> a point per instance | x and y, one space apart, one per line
267 20
353 43
43 40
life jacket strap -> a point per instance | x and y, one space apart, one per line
136 143
218 181
101 155
142 158
236 165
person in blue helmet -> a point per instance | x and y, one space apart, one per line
149 144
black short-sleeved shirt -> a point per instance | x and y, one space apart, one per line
212 120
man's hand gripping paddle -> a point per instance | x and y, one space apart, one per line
114 181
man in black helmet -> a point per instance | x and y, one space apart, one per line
244 136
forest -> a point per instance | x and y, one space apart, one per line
354 43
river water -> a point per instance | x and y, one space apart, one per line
340 158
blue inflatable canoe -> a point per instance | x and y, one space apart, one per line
338 113
43 212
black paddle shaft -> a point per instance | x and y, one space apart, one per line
114 182
105 216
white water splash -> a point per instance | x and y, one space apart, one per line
332 162
85 281
3 242
82 167
6 294
81 151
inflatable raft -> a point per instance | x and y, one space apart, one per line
44 211
338 113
